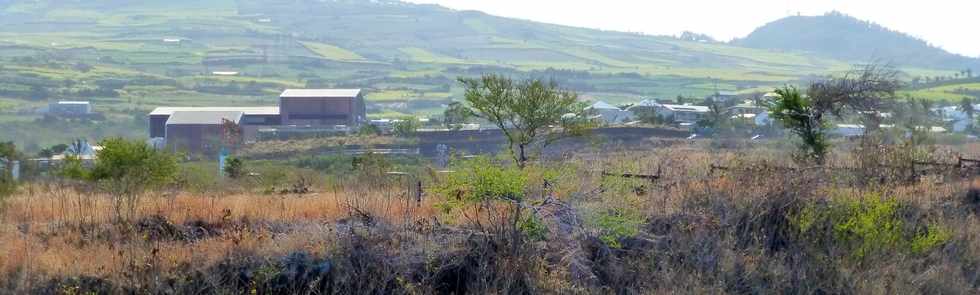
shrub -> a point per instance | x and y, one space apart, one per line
617 224
480 180
406 127
234 167
126 168
866 226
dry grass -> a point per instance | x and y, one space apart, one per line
699 231
52 231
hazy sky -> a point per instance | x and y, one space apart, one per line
950 24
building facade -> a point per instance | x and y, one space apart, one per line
322 107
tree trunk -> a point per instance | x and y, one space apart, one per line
522 156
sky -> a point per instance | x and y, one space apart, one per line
949 24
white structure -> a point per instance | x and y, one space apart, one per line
610 113
70 108
763 119
953 116
677 113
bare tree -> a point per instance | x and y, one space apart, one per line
867 91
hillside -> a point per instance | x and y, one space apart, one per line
840 36
130 56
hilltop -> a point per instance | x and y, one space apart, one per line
840 36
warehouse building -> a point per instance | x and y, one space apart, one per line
299 109
322 107
201 131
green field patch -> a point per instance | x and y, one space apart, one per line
594 56
333 52
425 56
391 95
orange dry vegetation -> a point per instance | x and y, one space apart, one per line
58 231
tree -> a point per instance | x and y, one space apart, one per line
966 106
406 127
798 114
867 92
528 112
127 168
457 113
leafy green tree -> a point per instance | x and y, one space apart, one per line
529 112
457 113
127 168
798 114
406 127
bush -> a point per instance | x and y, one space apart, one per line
480 180
406 127
234 168
617 224
126 168
867 226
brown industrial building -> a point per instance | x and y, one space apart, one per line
322 107
197 128
199 131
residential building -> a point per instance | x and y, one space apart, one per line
672 112
609 114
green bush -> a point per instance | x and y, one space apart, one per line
480 179
616 224
866 226
234 168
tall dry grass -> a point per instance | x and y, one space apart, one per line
698 230
51 231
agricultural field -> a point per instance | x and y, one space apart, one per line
952 92
133 57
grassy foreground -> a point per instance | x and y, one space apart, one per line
746 226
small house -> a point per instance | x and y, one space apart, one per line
609 114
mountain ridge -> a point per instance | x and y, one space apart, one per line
841 36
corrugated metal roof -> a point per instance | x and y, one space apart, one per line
602 105
687 108
166 111
321 93
203 117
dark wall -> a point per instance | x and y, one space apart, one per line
158 125
494 141
322 111
195 139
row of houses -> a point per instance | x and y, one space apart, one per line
682 114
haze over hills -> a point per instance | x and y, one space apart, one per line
844 37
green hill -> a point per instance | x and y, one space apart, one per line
128 56
840 36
